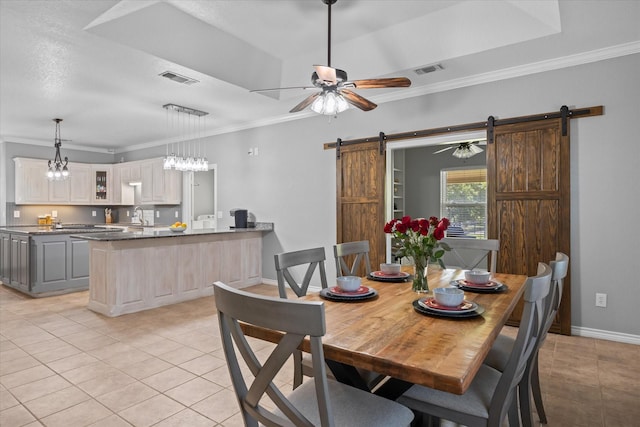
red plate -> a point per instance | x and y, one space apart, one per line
402 274
432 303
490 284
360 291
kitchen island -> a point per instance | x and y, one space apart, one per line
42 260
131 272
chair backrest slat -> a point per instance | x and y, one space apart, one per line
359 250
469 253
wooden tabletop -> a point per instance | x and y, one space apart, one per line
388 336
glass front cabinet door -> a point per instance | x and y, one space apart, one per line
102 181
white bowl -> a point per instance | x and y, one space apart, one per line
390 268
478 277
349 283
177 228
450 297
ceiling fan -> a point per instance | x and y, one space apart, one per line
335 94
463 150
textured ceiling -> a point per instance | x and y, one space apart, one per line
95 64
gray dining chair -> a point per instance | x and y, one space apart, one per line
468 253
321 402
312 258
499 354
359 250
492 394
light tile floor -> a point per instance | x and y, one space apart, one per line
64 365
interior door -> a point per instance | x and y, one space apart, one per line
529 201
360 172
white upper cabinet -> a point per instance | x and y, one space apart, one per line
97 184
80 184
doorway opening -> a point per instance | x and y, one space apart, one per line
200 198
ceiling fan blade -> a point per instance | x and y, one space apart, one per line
382 83
282 88
305 103
328 74
357 101
443 150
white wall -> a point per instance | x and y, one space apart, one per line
292 181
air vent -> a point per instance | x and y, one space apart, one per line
178 78
429 69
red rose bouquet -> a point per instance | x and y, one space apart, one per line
420 239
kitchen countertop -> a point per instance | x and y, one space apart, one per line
150 233
48 229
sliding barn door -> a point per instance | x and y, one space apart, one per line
528 201
360 172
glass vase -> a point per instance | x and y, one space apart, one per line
420 283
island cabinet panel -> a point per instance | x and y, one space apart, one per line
5 258
19 262
59 264
165 263
127 276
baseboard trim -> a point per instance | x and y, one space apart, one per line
269 282
605 335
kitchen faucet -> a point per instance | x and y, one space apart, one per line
137 213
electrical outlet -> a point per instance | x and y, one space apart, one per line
16 214
255 151
219 214
54 214
127 213
157 214
93 213
176 214
601 300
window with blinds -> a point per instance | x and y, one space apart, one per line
463 199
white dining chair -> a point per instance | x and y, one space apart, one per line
359 250
492 394
503 346
313 259
467 253
321 402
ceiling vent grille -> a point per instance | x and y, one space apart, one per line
429 69
178 78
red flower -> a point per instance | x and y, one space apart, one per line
438 233
444 223
406 220
415 226
388 228
401 228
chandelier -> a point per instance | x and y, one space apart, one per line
186 118
57 168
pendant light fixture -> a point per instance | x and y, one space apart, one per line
186 123
57 168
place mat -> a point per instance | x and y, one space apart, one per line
448 314
432 304
330 296
497 288
384 277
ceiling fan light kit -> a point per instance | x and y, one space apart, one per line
466 150
335 95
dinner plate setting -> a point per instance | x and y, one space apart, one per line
488 288
431 307
336 294
389 277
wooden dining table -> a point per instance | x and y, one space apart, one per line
388 336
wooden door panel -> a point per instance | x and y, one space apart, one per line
528 189
360 173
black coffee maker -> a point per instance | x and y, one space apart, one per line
240 216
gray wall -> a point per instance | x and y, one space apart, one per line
292 181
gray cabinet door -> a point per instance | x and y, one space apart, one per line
5 258
19 253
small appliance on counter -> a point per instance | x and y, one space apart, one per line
243 218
